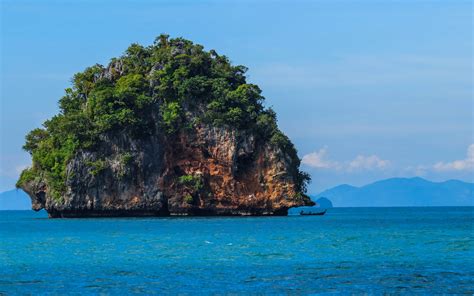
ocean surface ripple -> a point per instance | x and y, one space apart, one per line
349 250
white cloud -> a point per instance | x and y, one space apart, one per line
371 162
417 170
318 159
458 165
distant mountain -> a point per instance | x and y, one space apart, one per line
324 203
14 200
402 192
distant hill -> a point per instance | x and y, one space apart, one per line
323 202
14 200
402 192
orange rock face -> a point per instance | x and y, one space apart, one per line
239 175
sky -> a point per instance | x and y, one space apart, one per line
366 90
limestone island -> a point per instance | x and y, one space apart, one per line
167 129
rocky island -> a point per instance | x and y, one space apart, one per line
168 129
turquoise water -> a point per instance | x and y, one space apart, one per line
349 250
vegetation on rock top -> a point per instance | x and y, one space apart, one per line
168 86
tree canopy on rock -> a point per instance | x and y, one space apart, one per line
166 87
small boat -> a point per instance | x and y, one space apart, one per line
302 213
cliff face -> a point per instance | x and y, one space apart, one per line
201 168
230 174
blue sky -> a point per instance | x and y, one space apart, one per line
365 89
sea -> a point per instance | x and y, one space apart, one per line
368 251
